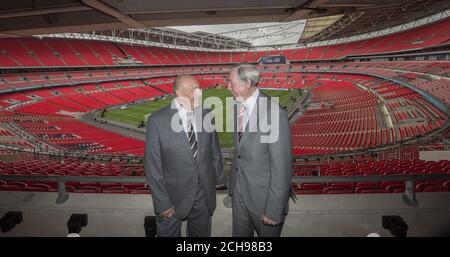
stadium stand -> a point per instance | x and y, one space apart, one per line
16 52
353 105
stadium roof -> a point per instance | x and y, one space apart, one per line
373 19
254 34
315 26
242 24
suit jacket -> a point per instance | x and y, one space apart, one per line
263 170
171 170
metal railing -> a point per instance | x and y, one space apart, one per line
409 195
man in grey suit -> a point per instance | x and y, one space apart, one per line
261 173
183 163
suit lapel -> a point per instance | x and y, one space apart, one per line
253 119
235 126
199 115
181 135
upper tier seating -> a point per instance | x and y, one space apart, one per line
16 52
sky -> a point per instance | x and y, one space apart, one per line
258 34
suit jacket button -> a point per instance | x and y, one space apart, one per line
239 157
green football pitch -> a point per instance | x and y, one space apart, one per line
134 115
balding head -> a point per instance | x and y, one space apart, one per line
182 81
186 89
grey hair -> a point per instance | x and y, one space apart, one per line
248 72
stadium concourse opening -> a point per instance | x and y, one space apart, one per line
368 104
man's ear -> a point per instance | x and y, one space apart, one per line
248 83
179 93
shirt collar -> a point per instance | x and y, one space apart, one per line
251 101
186 115
183 112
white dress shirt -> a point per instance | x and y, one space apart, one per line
184 118
249 105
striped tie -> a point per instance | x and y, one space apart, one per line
191 135
241 121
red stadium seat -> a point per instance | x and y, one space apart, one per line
115 190
87 189
337 190
436 189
